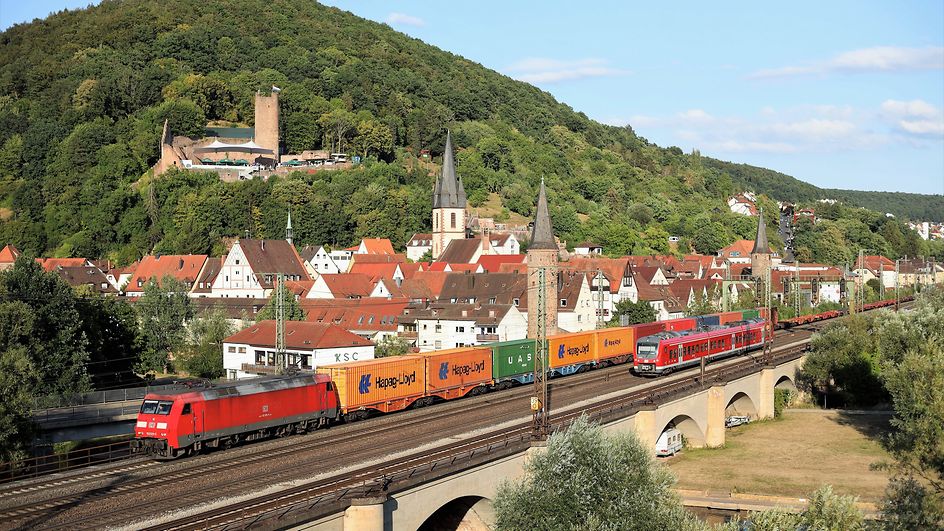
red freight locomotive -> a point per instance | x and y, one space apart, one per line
180 422
665 352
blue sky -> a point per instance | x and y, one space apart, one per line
840 94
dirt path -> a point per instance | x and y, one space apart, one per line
792 456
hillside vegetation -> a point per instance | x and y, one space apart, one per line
83 95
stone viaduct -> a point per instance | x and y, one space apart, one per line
463 500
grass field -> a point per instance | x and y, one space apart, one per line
792 456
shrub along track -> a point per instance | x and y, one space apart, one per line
130 495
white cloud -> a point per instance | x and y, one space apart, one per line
403 19
545 70
875 59
910 108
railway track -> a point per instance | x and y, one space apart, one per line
512 440
275 462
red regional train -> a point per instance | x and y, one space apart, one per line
182 422
665 352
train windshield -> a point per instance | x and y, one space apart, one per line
156 407
646 351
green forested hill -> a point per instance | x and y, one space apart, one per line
83 95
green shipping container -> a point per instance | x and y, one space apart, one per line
750 314
513 358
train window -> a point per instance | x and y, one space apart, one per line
163 407
149 407
186 410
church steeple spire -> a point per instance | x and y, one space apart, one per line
289 236
449 190
542 234
760 242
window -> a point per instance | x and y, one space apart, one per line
242 350
163 407
579 318
516 301
438 344
460 329
563 302
237 261
231 349
735 253
186 410
438 328
452 220
260 357
491 300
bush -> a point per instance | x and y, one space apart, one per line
782 399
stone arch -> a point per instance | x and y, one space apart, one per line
741 404
468 513
786 382
694 435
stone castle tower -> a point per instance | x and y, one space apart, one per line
267 122
449 216
760 255
542 254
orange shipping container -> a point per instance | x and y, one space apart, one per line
384 384
571 349
453 373
614 345
727 317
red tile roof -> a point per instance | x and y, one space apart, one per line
49 264
8 254
433 280
299 335
378 258
183 267
383 270
211 269
267 257
492 262
369 314
377 246
420 239
459 268
612 268
348 285
742 247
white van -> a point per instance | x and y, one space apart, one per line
669 443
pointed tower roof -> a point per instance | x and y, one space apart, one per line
760 242
449 191
542 235
288 225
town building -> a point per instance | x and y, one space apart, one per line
8 256
252 351
444 326
252 267
184 268
420 244
543 255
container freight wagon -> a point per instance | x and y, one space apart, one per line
728 317
456 372
513 362
615 345
383 384
175 423
569 353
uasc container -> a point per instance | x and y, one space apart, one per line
614 345
568 353
513 362
383 384
455 372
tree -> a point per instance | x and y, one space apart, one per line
391 346
634 312
111 327
825 511
336 124
203 355
57 346
290 306
710 238
589 480
17 380
699 306
373 137
163 309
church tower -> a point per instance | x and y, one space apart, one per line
760 255
542 255
449 217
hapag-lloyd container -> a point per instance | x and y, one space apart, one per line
567 353
384 384
513 360
680 325
615 345
454 372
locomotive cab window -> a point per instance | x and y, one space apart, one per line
156 407
186 410
163 407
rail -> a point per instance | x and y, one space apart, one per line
331 495
52 416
